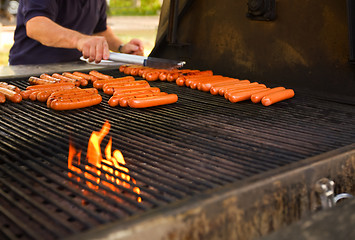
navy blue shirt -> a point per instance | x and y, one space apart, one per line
85 16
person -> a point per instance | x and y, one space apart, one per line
49 31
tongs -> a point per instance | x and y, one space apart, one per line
146 61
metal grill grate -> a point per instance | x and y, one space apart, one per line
173 152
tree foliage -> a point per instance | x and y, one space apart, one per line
134 7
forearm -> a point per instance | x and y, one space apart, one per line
51 34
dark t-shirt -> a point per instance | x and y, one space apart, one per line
85 16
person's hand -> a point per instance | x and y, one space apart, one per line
95 48
135 46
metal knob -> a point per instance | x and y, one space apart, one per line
325 188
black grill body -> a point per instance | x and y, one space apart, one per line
194 154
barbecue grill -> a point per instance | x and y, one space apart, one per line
206 168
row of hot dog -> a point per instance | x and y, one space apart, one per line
232 89
126 91
63 92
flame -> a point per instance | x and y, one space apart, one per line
112 163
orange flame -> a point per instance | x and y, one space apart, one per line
112 162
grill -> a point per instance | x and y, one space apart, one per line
176 153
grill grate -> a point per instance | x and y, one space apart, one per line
173 152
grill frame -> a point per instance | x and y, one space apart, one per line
200 106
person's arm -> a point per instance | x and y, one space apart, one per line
95 47
135 46
49 33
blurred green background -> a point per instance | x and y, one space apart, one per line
140 16
134 7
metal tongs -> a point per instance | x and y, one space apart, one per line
146 61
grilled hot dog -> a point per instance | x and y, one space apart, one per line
152 101
66 79
11 95
99 75
255 98
277 97
2 98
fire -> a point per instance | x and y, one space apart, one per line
112 162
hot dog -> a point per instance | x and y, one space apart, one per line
42 96
10 86
99 75
25 94
64 85
255 98
152 76
66 79
123 101
74 91
195 79
33 96
70 93
114 100
180 81
243 95
152 101
131 70
83 81
49 77
125 88
172 76
11 95
127 70
85 76
100 82
135 70
277 97
143 71
187 72
206 85
228 93
195 82
123 83
216 87
2 98
222 91
40 81
110 88
129 91
163 75
198 73
122 67
74 103
146 71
